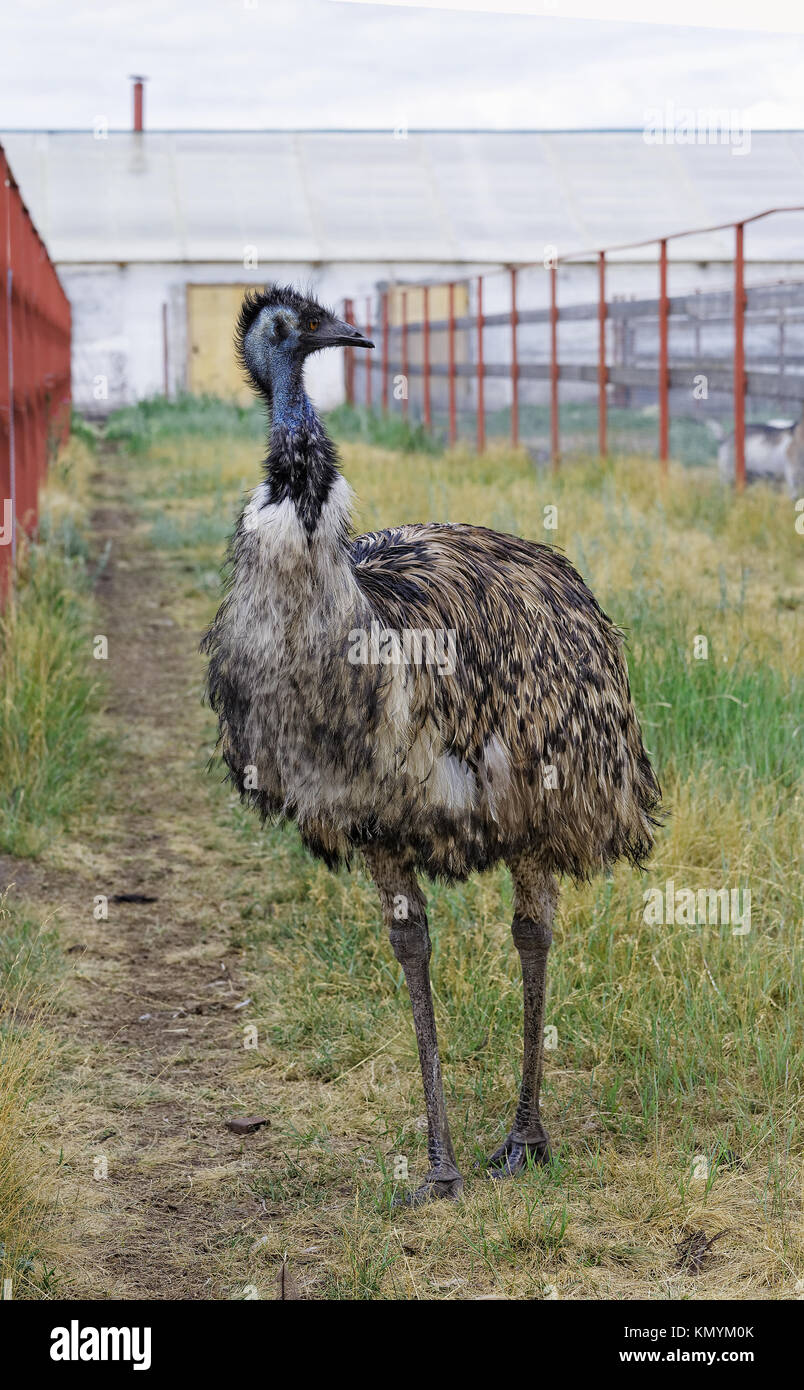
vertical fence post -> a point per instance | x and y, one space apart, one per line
451 364
8 488
165 372
426 357
739 358
25 460
349 360
368 354
385 352
481 406
514 364
405 381
602 421
554 423
66 402
139 123
664 378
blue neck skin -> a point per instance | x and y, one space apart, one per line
291 407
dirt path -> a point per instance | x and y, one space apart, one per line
148 1013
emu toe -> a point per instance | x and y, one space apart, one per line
513 1156
449 1185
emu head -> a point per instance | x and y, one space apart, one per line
278 328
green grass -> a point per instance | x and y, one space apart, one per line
84 432
30 962
631 430
48 690
357 423
29 950
731 709
48 697
193 533
140 426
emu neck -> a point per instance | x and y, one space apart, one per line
290 404
301 463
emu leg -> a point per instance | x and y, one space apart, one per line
534 904
405 915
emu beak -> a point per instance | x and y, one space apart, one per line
336 333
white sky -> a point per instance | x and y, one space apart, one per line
218 64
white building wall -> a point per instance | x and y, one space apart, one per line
118 337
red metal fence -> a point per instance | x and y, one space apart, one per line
34 366
731 378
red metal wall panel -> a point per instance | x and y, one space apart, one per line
34 366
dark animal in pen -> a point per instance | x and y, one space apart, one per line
525 749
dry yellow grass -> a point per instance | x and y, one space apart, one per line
31 1243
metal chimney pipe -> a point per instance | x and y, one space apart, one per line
139 86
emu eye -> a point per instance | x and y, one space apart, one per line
312 325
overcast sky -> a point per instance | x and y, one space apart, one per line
290 63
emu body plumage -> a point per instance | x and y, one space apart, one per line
513 737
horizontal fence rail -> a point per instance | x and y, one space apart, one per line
34 367
701 353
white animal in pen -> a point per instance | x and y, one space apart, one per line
774 453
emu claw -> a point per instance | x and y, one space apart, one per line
512 1157
449 1185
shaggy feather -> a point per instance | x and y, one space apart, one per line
531 745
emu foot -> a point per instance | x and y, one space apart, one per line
447 1183
513 1154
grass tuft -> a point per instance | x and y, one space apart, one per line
357 423
140 426
48 687
29 1245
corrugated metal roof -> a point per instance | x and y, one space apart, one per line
367 196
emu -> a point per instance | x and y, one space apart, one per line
525 748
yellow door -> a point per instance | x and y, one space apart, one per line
438 311
437 302
212 368
212 312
